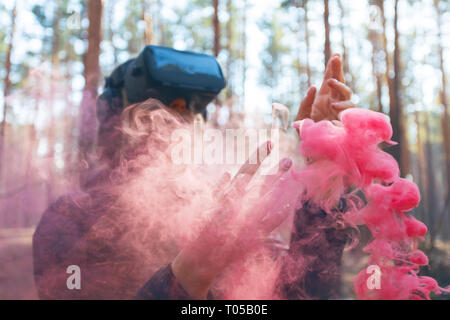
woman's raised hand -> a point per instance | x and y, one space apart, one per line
333 97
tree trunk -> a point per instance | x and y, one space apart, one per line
216 27
109 35
91 74
216 48
229 35
307 65
29 160
7 86
378 41
147 17
51 128
161 26
244 51
378 82
69 126
400 151
345 64
431 183
327 48
444 98
380 4
386 53
32 137
70 122
445 115
421 170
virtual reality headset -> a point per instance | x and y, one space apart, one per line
167 74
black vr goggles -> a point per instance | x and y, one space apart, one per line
164 74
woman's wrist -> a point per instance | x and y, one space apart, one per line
193 276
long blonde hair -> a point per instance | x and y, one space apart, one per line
141 130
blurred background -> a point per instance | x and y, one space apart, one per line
54 55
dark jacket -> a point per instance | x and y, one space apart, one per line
61 239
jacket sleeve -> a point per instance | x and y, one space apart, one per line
317 244
163 286
61 240
53 239
65 236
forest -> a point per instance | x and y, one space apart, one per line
55 54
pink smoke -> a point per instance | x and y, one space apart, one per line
143 212
345 155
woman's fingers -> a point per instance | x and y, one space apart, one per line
334 70
278 203
340 88
249 168
283 166
333 67
306 105
254 161
269 208
338 70
234 191
342 105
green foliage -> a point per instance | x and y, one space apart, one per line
293 3
41 17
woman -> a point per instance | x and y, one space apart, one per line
128 242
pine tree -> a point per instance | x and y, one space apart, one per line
327 46
7 85
91 74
